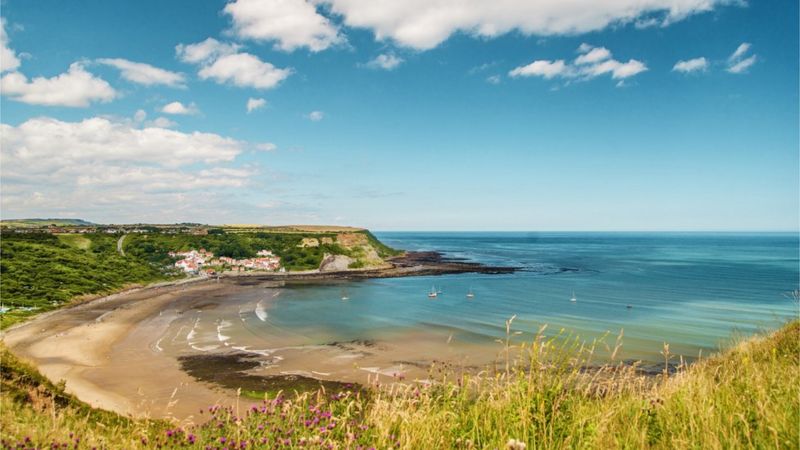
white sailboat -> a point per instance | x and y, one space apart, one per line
573 299
470 294
433 293
344 295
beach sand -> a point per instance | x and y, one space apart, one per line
102 351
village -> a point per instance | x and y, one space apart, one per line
203 262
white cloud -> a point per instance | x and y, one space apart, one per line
385 61
76 87
224 64
743 65
739 52
179 108
266 147
591 54
691 65
50 143
424 24
315 116
591 62
145 74
493 79
291 24
161 122
244 70
255 103
106 169
203 52
737 63
8 59
139 116
542 68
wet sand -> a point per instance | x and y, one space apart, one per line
170 351
102 350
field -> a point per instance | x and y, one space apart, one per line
746 397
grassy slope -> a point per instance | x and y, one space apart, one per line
744 398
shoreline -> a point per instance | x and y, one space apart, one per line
95 343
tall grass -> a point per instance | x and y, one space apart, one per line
546 393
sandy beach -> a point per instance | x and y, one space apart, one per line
147 353
89 346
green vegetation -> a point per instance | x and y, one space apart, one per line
41 271
155 247
746 397
384 251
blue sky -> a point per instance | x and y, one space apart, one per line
417 115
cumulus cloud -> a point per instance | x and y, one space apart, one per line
255 103
98 164
161 122
315 116
291 24
244 70
144 74
48 143
542 68
493 79
590 63
223 63
8 58
179 108
385 61
205 51
737 62
424 24
76 88
691 65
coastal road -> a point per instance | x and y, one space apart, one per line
119 244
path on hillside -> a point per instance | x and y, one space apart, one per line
119 244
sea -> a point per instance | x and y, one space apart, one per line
696 292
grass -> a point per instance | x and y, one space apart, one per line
75 240
541 396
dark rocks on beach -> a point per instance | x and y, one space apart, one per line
231 371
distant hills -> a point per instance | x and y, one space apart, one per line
44 222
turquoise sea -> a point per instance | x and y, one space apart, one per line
695 291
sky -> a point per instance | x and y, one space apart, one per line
414 115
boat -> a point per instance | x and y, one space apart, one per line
344 295
470 294
573 299
433 293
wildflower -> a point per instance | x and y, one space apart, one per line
514 444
